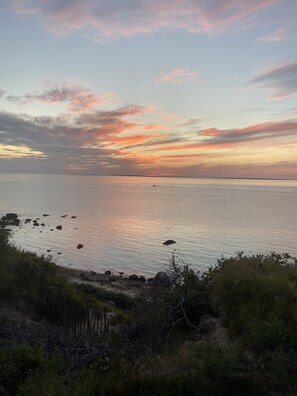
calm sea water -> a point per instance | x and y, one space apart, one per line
122 221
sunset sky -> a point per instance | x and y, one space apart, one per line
199 88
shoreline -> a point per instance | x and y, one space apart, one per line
111 282
131 285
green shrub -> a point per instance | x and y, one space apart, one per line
258 295
46 384
33 284
17 362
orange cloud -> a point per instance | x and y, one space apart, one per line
156 127
133 139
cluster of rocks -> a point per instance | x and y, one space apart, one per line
10 219
135 277
161 279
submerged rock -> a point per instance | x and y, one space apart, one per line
45 215
169 242
73 217
80 246
59 227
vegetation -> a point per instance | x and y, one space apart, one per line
229 331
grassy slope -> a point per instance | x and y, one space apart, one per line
160 347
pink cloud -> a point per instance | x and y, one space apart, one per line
227 138
258 131
78 97
274 37
178 76
103 20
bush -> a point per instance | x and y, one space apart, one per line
33 284
258 295
17 362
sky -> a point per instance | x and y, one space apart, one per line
193 88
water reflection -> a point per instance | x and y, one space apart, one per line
122 221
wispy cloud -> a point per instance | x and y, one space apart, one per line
13 152
274 37
280 79
177 76
262 131
191 122
217 139
103 20
78 97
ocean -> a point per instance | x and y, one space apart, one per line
122 221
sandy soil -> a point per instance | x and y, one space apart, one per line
114 282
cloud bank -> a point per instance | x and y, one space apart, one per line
104 20
134 139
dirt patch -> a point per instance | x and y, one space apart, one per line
113 282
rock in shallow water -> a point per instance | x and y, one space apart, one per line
11 216
11 219
80 246
169 242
